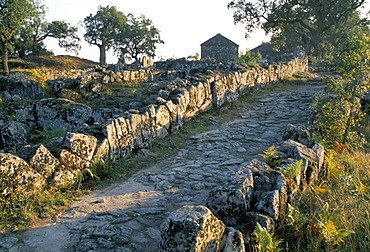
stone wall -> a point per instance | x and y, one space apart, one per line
257 193
220 53
100 75
60 160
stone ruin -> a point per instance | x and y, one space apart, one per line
257 193
183 90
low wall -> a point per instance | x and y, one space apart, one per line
100 74
256 193
64 158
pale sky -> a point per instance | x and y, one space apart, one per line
183 24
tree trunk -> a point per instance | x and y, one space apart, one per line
5 59
103 57
352 112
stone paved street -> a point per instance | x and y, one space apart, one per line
127 216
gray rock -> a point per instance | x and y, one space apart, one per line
14 135
15 172
26 89
43 161
87 245
230 201
58 114
82 145
234 241
299 151
8 242
191 228
299 134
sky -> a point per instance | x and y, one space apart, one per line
183 25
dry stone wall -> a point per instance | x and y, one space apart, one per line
257 193
100 74
64 158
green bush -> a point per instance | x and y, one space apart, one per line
249 58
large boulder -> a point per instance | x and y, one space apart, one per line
16 174
58 114
82 145
313 159
43 161
301 134
270 191
14 135
192 228
26 89
230 201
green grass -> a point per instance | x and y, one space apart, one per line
335 214
21 210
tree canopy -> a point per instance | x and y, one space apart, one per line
103 28
140 38
32 35
304 21
13 14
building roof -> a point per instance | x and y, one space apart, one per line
219 40
264 47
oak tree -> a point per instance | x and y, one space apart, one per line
32 35
307 19
140 38
13 14
103 28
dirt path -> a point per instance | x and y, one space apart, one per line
127 216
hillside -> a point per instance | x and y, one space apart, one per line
60 62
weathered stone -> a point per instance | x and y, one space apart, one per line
264 220
82 145
15 172
87 245
102 149
26 89
57 113
230 201
119 136
320 156
299 134
14 135
103 114
299 151
25 114
191 228
44 162
63 178
8 242
234 241
72 160
162 119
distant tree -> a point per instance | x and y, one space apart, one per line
139 38
103 28
32 35
308 20
13 15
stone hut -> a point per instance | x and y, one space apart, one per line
266 50
219 48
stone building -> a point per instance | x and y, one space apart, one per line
219 48
266 50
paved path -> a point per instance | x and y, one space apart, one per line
126 216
